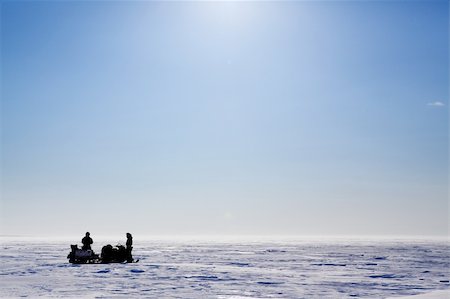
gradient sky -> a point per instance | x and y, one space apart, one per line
265 118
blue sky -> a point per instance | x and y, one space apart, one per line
172 118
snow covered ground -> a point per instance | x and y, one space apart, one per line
441 294
226 269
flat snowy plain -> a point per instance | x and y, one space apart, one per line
233 268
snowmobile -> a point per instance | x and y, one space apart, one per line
110 254
81 256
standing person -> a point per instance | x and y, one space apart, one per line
87 241
129 247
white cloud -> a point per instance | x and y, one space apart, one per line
436 104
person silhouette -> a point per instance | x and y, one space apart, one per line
87 241
129 247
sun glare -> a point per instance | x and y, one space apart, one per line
228 13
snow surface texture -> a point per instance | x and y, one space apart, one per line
277 269
442 294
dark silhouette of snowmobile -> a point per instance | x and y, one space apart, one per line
82 256
110 254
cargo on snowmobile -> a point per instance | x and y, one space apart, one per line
110 254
